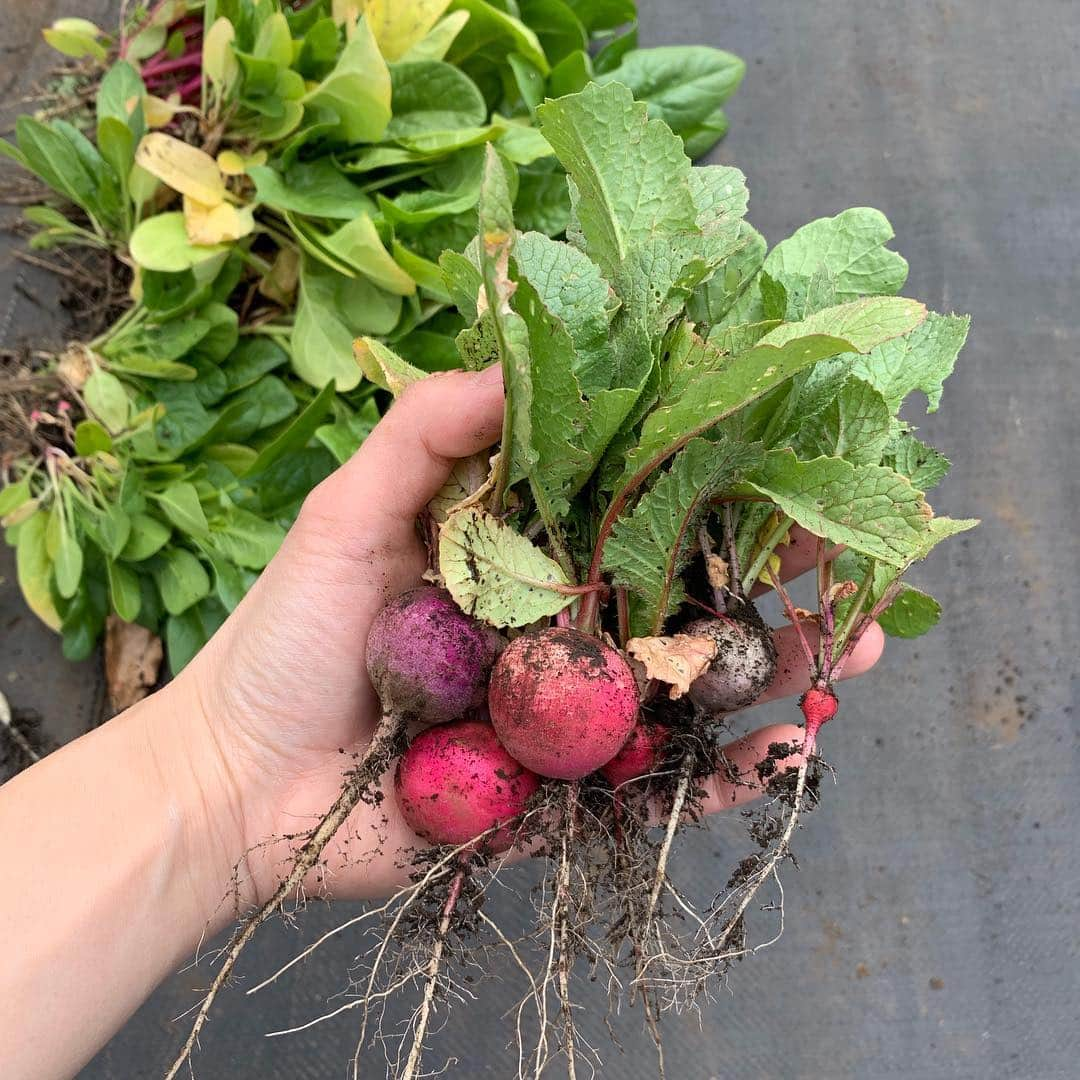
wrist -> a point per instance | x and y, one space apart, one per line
186 761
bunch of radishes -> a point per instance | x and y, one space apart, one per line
555 703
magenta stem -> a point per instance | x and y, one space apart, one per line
165 67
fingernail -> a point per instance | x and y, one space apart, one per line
492 376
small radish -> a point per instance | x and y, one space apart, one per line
456 781
427 659
744 666
643 753
562 702
818 706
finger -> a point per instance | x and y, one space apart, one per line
408 457
746 765
792 671
797 557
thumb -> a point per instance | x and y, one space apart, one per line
409 456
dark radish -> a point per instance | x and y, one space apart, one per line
562 702
744 666
456 781
642 754
427 659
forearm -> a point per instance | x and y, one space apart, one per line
116 854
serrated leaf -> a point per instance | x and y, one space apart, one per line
571 287
941 528
649 548
495 574
912 614
871 509
924 466
714 387
922 360
855 426
511 334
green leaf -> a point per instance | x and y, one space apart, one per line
181 579
298 434
495 574
182 507
186 633
48 151
253 358
91 438
571 287
924 466
700 138
317 188
149 368
912 614
331 311
67 558
124 591
160 243
922 360
14 495
112 529
649 548
870 508
557 27
570 75
855 426
358 90
147 537
265 403
245 538
429 95
711 387
490 31
631 174
33 569
343 437
436 44
850 248
683 85
358 246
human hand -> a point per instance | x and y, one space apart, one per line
277 702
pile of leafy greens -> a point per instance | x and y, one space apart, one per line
280 180
661 363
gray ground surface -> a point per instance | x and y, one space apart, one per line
933 925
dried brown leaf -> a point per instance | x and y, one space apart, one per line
677 660
132 661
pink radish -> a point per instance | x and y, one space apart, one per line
456 781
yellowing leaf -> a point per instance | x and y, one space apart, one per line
232 163
218 59
383 366
676 660
75 38
160 111
470 480
436 44
216 224
346 12
398 26
33 568
495 573
184 168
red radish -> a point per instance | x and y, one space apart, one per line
642 754
456 781
818 706
562 702
427 659
744 666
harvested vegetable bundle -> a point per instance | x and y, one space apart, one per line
272 180
679 404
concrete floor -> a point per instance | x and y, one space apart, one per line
933 925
